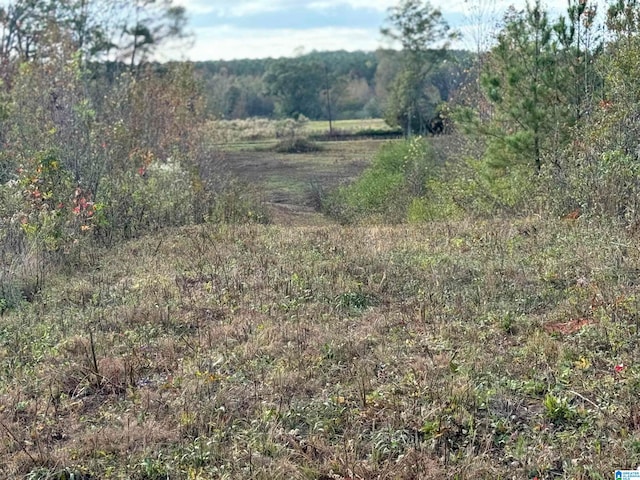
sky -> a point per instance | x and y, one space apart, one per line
230 29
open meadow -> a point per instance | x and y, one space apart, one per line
201 279
292 184
297 179
295 183
303 349
348 126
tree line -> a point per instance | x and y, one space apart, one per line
323 85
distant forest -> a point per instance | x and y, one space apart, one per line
322 85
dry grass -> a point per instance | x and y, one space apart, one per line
262 132
331 353
347 126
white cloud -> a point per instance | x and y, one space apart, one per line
229 42
380 5
238 8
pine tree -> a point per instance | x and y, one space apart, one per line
537 80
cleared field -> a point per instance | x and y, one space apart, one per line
502 349
291 184
261 132
286 178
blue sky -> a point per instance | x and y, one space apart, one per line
227 29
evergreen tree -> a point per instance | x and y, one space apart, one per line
536 79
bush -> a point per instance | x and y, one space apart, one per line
386 190
91 159
469 187
134 203
408 182
297 145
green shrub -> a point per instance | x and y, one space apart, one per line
599 171
385 190
419 210
45 218
297 145
473 187
598 176
408 182
134 203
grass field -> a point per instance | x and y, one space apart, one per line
454 350
348 126
502 349
289 178
295 179
261 133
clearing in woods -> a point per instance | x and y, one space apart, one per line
292 182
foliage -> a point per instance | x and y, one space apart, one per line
96 28
145 25
385 190
296 83
156 197
143 121
600 168
556 117
352 85
418 27
235 97
538 81
90 160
